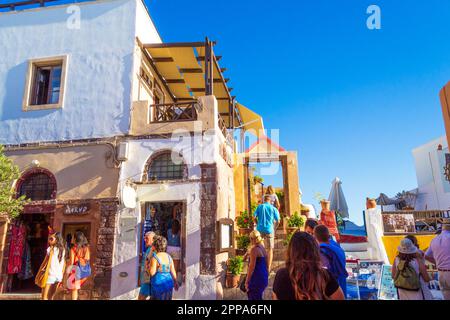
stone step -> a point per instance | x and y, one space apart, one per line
20 296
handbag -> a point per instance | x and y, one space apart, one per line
84 271
242 284
42 274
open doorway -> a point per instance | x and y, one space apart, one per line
28 247
167 219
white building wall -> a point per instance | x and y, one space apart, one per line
195 151
434 190
99 75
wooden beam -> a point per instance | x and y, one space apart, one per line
173 81
163 59
197 89
13 5
202 58
191 70
173 45
147 56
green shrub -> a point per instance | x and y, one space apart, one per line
296 221
236 265
288 238
243 242
244 220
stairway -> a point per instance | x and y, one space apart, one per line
20 296
278 262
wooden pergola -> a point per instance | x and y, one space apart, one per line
12 5
189 70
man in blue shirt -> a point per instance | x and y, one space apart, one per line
332 255
267 217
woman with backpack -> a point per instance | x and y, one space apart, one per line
79 267
409 272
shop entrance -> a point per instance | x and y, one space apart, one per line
29 243
164 218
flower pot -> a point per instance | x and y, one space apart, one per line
371 203
291 229
232 280
245 231
241 252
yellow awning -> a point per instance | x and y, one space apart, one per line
251 120
183 68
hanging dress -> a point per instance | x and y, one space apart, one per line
16 248
162 282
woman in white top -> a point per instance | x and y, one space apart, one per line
409 254
55 265
273 197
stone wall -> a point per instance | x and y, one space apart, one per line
208 213
105 248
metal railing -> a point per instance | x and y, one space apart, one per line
175 112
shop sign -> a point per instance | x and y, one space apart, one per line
76 210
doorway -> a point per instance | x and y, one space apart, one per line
29 240
163 218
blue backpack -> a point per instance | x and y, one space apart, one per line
336 267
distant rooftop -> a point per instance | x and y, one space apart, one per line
15 5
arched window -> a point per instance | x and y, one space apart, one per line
37 185
166 165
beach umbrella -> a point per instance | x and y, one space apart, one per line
337 198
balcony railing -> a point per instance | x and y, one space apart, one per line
225 132
175 112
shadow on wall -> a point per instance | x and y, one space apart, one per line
95 183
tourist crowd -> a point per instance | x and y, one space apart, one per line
315 266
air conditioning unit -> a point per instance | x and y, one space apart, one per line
122 151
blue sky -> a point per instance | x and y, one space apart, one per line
353 102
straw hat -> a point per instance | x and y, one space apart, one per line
407 247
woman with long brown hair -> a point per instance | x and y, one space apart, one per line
79 267
304 277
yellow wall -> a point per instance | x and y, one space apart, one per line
81 172
392 242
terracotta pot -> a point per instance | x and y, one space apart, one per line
232 280
245 231
291 229
371 203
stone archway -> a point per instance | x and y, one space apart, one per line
265 150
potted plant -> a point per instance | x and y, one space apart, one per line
245 223
234 269
243 242
258 179
295 222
